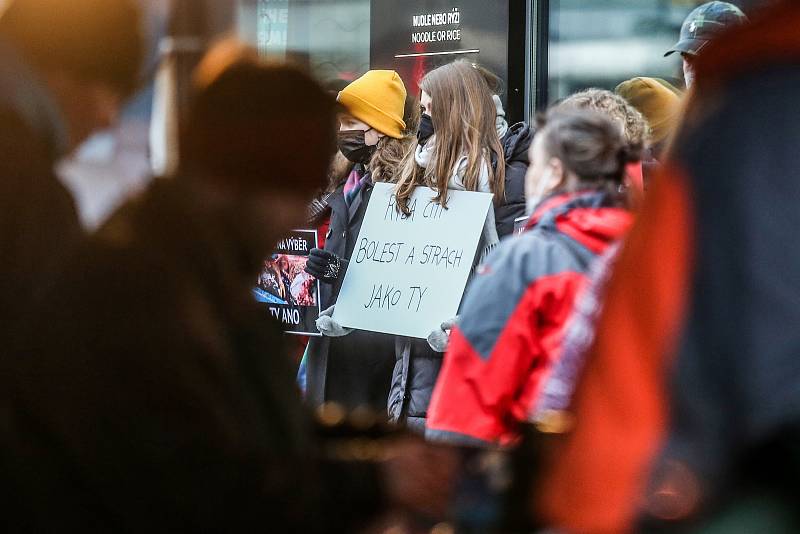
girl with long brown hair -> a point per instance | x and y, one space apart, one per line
457 143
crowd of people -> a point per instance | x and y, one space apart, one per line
624 342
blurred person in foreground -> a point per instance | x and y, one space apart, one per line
153 393
515 309
65 69
701 431
704 24
580 329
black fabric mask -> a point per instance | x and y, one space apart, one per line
425 129
353 146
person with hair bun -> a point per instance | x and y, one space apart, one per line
515 311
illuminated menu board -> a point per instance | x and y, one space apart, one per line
416 36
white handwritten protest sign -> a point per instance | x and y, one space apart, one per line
407 273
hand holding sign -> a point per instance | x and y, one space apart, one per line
328 327
438 339
324 266
407 272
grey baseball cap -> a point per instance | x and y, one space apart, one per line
704 23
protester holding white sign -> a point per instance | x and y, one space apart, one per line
407 275
355 370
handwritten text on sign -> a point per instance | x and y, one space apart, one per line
407 273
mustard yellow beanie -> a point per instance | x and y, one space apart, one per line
655 101
378 99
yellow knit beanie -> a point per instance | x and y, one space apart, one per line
656 102
377 98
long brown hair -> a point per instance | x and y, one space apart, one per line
464 117
389 156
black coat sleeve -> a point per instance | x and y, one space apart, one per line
140 406
39 226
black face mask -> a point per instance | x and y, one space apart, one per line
352 146
425 129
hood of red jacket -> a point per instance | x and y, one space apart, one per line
593 218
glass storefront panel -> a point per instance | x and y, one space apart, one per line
329 37
604 42
588 44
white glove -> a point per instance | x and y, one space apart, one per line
440 336
330 328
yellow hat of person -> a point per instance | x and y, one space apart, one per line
655 101
377 98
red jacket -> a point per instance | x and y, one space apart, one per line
513 318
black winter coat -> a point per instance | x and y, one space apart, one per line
516 143
152 393
356 369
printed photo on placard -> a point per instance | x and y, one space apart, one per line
288 291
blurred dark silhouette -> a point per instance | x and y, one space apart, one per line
65 68
701 431
153 394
